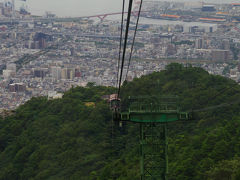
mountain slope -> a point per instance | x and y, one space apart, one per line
70 139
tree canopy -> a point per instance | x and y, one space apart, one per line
67 139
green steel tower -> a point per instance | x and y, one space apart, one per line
153 114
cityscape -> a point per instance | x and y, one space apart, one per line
47 55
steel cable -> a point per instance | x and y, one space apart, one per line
120 43
125 44
134 37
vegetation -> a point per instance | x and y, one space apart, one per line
66 139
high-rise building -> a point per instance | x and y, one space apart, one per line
71 73
199 43
36 45
39 73
78 73
72 51
219 55
41 39
64 73
56 73
42 43
17 87
68 73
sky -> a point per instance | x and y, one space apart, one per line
77 8
73 7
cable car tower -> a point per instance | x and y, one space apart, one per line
152 113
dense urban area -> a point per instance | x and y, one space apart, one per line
45 56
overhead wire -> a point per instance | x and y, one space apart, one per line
120 43
119 78
220 105
125 45
118 64
217 106
134 37
219 93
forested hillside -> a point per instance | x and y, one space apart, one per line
74 137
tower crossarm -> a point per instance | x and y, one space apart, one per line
157 110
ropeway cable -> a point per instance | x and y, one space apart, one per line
125 44
134 37
120 43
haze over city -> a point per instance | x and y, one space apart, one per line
89 7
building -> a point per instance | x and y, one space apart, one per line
64 73
226 44
12 67
78 73
169 17
236 4
208 8
211 20
199 43
7 11
219 55
39 73
72 52
8 74
56 73
42 43
17 87
70 73
207 28
171 50
54 95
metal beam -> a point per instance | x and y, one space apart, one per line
153 114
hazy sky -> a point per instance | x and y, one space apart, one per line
73 7
84 7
